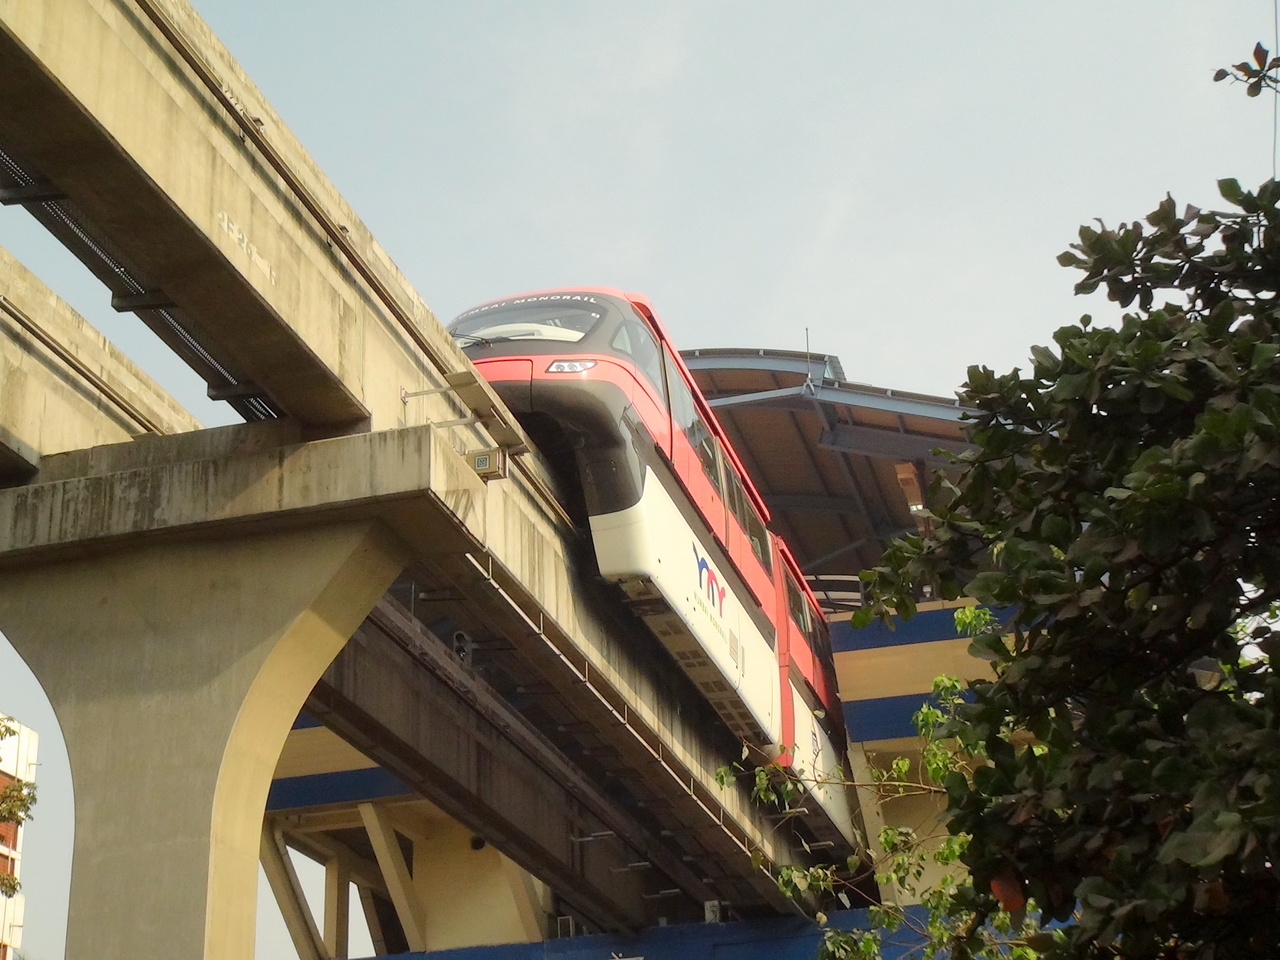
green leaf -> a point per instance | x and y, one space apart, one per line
989 647
1207 842
987 587
1044 358
1264 356
1230 190
1071 386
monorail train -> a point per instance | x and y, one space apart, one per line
674 520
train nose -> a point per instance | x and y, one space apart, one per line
512 378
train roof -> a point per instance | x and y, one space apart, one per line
838 468
644 306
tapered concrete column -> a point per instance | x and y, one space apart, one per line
471 897
176 671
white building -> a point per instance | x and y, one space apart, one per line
17 762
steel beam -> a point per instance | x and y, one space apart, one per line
849 395
818 366
760 398
889 445
386 848
821 503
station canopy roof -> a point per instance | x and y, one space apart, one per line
842 466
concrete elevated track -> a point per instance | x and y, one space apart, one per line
189 597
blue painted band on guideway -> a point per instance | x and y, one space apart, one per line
785 938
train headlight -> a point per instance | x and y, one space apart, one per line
571 366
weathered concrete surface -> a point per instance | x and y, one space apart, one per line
182 166
445 733
174 165
176 671
499 543
62 385
187 484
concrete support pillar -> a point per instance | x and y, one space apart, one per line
454 890
176 670
473 896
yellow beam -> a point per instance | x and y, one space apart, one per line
904 669
396 874
337 909
293 905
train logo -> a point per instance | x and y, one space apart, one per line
707 576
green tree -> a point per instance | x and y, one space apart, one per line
1125 496
954 919
16 801
1113 791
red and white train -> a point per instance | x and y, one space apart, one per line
675 522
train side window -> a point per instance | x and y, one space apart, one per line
796 604
758 536
734 495
685 416
683 410
820 642
648 356
814 629
622 340
635 340
752 526
706 445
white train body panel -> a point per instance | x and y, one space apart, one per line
652 551
650 534
817 764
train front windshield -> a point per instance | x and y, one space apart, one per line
565 323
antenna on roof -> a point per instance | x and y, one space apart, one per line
808 364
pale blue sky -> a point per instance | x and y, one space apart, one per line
896 177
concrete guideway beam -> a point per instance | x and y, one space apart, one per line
196 183
198 186
176 671
63 386
455 743
168 486
503 546
610 691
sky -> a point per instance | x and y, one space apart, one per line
895 179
